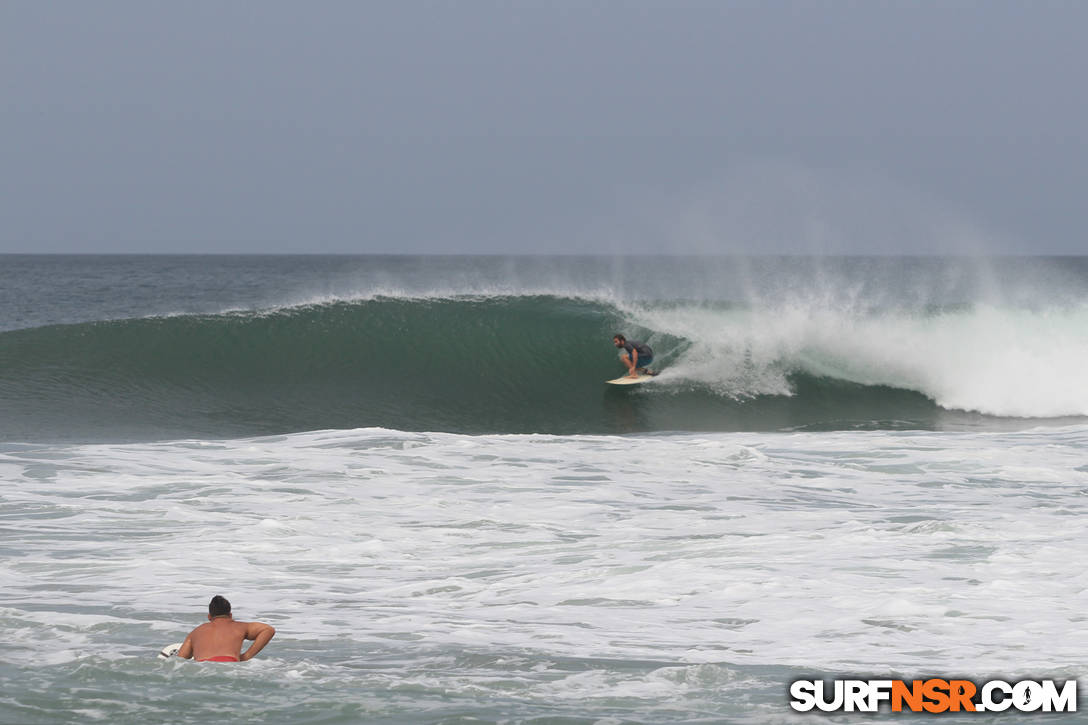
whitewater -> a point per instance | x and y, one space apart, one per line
411 468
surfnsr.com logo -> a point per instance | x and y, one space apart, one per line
934 695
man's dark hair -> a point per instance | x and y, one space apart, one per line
218 606
619 337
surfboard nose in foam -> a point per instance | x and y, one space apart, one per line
169 650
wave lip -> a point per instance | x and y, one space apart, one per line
996 361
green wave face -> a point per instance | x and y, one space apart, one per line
475 365
519 364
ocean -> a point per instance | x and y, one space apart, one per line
870 467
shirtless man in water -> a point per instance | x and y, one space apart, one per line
220 640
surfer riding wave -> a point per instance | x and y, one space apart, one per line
636 355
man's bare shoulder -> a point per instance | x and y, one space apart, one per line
211 628
255 628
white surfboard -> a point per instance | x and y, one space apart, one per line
169 650
625 380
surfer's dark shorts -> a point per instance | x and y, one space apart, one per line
644 362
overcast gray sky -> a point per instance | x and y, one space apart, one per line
354 126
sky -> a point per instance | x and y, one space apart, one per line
339 126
